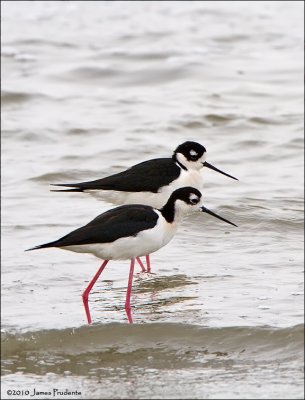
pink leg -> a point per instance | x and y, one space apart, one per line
90 286
141 264
127 303
148 263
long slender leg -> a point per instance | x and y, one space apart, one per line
88 289
148 263
127 303
141 264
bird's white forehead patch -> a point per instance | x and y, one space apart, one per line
193 153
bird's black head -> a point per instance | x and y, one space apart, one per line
190 155
188 195
183 201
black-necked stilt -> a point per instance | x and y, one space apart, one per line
151 182
130 231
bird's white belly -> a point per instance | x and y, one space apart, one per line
145 242
192 178
157 200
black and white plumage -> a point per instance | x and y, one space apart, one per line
133 230
113 234
151 182
130 231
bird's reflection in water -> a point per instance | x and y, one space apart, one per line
152 291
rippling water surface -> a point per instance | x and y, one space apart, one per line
91 88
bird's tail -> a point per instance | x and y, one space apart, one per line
43 246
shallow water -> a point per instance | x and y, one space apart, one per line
203 360
89 89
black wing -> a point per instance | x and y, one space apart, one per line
122 221
147 176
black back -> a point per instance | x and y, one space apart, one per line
147 176
119 222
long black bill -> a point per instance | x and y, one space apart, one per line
203 209
208 165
